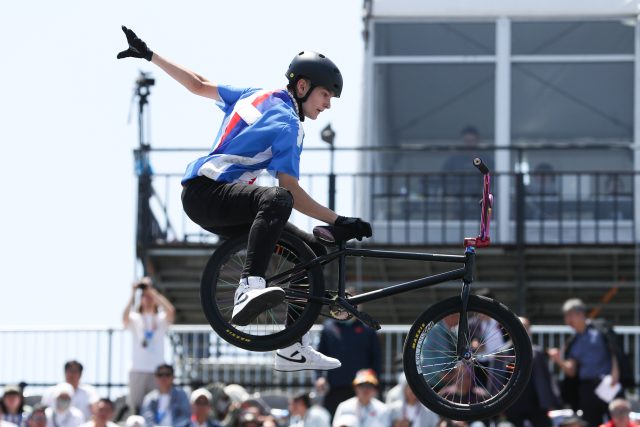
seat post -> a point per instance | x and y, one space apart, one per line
342 268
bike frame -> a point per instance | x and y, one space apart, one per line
465 272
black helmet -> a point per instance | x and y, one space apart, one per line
319 69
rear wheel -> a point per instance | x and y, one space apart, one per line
483 382
279 326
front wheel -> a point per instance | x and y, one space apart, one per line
483 379
279 326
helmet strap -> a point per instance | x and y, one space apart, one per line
301 99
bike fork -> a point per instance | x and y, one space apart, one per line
463 346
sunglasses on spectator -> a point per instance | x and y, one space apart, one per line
38 418
164 374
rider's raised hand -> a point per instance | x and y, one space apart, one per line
137 48
357 226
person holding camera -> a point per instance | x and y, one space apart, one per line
148 325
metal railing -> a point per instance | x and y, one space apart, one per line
548 208
36 356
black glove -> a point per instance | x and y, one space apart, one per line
137 48
357 227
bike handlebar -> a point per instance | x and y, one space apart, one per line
486 203
477 162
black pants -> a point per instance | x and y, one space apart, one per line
231 209
593 408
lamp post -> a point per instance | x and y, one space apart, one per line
328 135
143 169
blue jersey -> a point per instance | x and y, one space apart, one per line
261 130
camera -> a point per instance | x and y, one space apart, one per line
141 286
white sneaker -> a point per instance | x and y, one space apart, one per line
301 356
252 298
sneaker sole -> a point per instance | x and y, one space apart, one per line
295 369
258 306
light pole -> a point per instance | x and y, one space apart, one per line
328 135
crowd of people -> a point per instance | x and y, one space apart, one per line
349 396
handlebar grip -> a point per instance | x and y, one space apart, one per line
477 162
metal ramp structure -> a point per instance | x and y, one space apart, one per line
602 276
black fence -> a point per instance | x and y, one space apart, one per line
431 208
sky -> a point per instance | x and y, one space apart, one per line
68 130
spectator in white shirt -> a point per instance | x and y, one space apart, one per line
102 414
84 395
148 326
369 411
62 413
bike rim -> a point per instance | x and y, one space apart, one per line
460 382
274 320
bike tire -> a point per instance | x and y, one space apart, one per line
267 332
477 388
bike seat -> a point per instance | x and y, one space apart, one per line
332 234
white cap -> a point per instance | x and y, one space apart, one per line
63 388
201 392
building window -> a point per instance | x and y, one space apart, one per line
434 38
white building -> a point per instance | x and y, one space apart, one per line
549 85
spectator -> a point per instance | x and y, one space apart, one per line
619 409
462 181
487 338
369 411
462 388
102 414
4 423
255 411
37 417
304 414
438 347
201 401
167 405
148 326
339 339
84 395
587 358
539 396
62 413
409 411
13 406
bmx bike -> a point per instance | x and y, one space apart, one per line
467 357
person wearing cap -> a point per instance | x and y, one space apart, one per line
102 414
586 358
84 395
167 405
13 405
261 131
62 413
201 400
369 411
